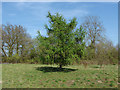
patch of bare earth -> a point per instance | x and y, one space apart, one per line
70 82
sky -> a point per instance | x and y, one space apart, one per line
32 15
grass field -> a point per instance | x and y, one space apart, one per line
47 76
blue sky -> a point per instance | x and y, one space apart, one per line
32 15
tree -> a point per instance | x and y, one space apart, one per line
60 42
14 40
79 45
101 51
43 49
106 52
8 39
94 29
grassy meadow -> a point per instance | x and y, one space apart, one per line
49 76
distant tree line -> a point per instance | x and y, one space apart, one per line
64 44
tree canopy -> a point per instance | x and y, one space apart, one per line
63 41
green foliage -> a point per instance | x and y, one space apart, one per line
13 59
63 41
16 58
79 45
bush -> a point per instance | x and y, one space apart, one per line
13 59
16 58
4 59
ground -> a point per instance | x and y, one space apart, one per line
47 76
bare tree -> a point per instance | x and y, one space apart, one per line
8 39
14 38
94 28
95 33
21 37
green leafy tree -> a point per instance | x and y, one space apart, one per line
43 48
63 38
79 45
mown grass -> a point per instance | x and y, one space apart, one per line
47 76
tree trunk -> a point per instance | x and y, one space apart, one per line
4 52
17 48
60 66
